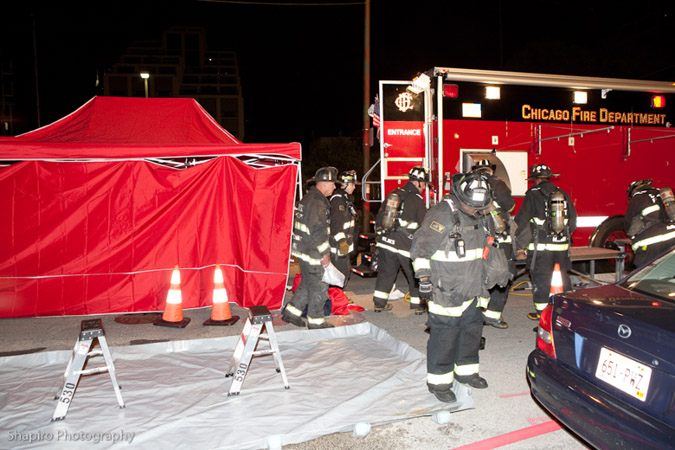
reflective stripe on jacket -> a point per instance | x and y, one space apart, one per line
311 228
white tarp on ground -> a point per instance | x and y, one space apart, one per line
176 393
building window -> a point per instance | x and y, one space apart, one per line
117 86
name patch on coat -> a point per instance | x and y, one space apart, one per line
437 227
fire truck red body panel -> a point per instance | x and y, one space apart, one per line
598 147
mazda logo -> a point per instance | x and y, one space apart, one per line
624 331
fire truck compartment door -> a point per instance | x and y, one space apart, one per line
511 167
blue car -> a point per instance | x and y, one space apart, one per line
604 365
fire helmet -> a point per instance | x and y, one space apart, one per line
541 171
472 189
325 174
637 185
484 164
348 176
419 173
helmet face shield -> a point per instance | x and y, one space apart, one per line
348 176
472 189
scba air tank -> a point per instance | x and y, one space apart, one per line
558 212
668 200
391 204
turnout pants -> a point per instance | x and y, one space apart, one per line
388 264
499 295
312 292
453 346
543 271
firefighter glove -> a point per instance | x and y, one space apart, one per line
426 289
343 248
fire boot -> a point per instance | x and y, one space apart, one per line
473 380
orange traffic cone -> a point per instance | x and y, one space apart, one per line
220 313
173 311
556 281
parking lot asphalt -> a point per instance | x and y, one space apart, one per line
505 413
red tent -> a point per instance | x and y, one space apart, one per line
106 201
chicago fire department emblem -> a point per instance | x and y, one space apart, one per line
404 101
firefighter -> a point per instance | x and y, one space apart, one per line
397 220
343 219
311 248
456 262
546 220
647 221
502 205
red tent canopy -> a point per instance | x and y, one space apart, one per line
129 128
102 234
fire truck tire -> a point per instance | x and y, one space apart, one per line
605 236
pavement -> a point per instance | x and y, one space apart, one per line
505 413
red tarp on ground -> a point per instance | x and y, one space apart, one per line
103 236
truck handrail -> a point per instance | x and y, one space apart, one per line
364 183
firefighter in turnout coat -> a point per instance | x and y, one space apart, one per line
647 222
343 222
311 230
455 257
502 205
539 214
404 209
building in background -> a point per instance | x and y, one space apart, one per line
6 96
182 66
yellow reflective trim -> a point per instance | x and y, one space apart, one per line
393 249
538 221
380 294
450 311
421 263
415 301
653 240
293 310
483 302
445 378
308 259
540 306
549 247
340 236
471 255
649 209
302 227
323 247
466 369
316 321
493 314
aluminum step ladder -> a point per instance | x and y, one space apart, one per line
89 330
259 317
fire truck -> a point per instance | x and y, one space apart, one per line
600 134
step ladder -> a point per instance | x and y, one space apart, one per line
259 317
89 330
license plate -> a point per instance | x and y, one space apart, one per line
624 373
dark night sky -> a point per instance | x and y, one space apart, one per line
302 66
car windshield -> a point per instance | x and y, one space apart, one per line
656 279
